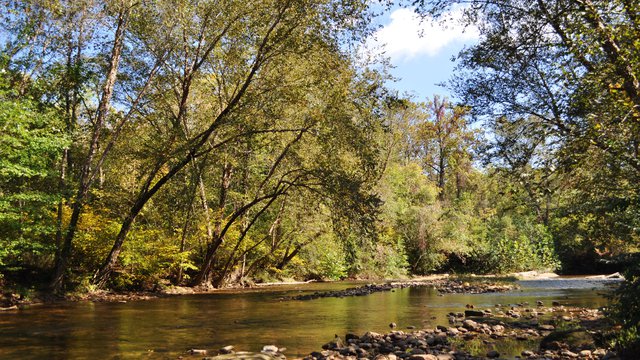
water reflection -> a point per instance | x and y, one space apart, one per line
165 328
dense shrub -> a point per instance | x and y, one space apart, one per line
626 310
514 244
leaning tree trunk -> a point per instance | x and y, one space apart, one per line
103 275
86 179
148 191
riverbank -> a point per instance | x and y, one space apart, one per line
11 301
444 283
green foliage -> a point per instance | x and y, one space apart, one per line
31 144
148 258
626 309
627 341
515 244
95 229
324 260
407 214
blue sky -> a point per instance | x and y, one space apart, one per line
420 49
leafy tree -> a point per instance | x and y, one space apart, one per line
241 72
446 143
558 82
31 141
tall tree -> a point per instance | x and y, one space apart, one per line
446 143
235 49
60 44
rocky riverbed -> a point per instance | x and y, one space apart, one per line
562 332
443 286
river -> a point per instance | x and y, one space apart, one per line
165 328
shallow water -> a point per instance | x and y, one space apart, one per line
166 328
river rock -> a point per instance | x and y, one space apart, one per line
445 357
569 354
244 355
334 344
442 285
348 351
386 357
270 349
600 352
197 352
574 339
468 313
226 350
470 325
351 336
370 336
423 357
493 354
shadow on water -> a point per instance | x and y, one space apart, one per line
166 328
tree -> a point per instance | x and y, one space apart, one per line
241 74
31 141
562 74
446 143
569 63
49 41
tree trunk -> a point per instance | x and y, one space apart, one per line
59 214
85 178
185 229
150 188
215 237
441 179
205 209
101 277
286 259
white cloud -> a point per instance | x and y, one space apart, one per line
408 35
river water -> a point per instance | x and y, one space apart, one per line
165 328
